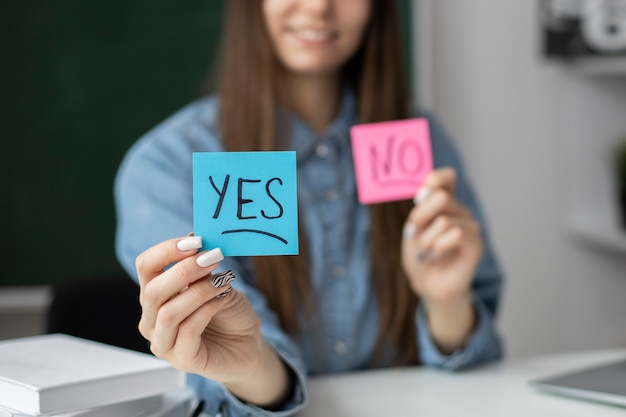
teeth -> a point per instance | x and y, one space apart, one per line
314 35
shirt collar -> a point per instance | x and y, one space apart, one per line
304 138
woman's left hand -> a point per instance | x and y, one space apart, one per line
442 243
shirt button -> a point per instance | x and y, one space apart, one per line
340 348
338 271
331 195
322 150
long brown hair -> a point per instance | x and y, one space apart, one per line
248 90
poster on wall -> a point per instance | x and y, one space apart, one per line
577 28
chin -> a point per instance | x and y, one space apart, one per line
313 68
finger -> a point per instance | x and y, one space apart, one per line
156 292
188 339
155 259
441 178
440 202
453 239
435 229
185 341
180 275
178 309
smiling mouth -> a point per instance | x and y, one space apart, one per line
314 36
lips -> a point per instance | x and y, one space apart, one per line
315 36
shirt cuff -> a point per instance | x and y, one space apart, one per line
482 345
296 402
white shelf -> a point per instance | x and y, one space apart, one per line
598 66
599 230
591 118
25 299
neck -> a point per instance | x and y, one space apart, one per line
315 98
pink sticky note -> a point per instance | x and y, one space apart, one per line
391 159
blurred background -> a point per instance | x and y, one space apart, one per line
537 133
535 107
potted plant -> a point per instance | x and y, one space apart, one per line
619 165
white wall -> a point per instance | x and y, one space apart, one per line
531 133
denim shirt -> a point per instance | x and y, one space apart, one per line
153 191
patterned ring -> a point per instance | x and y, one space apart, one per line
222 279
224 294
427 256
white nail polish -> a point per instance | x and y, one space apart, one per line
210 257
189 243
409 230
422 194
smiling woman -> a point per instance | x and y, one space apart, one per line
387 284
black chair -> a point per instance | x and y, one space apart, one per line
104 309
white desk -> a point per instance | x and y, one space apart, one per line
500 389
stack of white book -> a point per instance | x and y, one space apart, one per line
64 376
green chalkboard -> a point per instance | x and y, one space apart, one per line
85 80
82 80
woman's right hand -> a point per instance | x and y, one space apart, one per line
195 323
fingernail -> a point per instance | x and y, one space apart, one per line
421 195
409 230
222 279
189 243
210 257
224 294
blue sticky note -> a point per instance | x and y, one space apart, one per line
246 203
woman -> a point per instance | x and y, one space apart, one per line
381 285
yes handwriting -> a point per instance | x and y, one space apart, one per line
246 202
